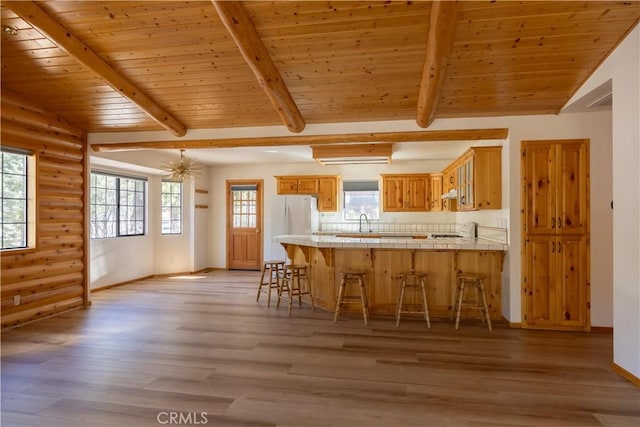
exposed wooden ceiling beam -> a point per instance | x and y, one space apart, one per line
275 141
235 17
67 41
442 22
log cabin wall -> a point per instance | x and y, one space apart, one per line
52 276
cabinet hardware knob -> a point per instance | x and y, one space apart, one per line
553 222
553 247
559 247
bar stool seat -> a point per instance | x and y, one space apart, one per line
413 280
292 284
352 276
274 272
475 281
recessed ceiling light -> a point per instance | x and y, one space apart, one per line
271 151
9 30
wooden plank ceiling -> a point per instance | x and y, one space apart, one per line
339 61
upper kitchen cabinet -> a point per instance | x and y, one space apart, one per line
297 185
406 193
328 194
556 186
436 191
479 179
324 187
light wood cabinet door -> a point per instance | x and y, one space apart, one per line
308 186
436 192
287 186
539 299
556 288
328 194
394 194
556 187
572 196
540 188
572 300
417 199
406 193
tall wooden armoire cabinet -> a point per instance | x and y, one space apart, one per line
555 235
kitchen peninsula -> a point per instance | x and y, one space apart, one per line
384 257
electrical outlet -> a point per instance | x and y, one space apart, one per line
16 300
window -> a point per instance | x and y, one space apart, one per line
18 191
244 199
117 206
171 207
361 197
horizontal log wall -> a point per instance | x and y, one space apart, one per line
52 277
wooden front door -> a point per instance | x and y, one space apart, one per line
244 224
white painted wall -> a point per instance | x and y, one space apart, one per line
623 68
121 259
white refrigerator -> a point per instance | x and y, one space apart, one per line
291 215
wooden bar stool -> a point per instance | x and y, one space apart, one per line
274 272
352 276
291 283
475 281
414 280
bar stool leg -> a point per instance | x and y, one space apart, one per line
455 300
486 307
284 287
424 302
294 275
459 302
264 268
339 302
306 278
403 283
363 298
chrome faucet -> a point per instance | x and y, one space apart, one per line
360 222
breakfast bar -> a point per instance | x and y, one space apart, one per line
384 257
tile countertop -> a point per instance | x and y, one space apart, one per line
333 241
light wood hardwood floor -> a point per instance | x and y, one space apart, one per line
150 348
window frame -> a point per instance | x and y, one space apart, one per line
171 207
118 204
360 186
30 210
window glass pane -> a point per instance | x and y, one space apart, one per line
14 200
171 207
357 203
110 218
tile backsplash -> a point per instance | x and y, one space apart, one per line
494 234
379 226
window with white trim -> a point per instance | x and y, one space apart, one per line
171 207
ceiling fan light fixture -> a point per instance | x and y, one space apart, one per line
182 169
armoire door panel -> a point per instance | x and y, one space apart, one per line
540 291
540 189
571 285
572 189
